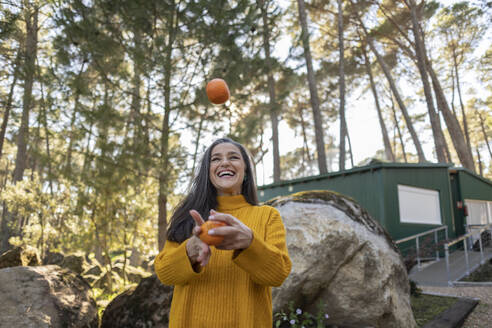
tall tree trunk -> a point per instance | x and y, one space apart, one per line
452 123
341 84
305 144
452 92
394 89
44 120
31 18
387 144
480 169
164 159
350 145
318 124
135 116
10 98
439 141
197 144
68 161
484 132
400 136
463 113
271 90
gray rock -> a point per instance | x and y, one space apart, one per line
20 256
344 263
146 305
53 258
45 296
74 262
94 270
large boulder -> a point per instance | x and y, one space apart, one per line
45 296
20 256
146 305
343 261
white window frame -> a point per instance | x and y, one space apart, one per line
488 210
419 205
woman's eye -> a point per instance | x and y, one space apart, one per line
215 159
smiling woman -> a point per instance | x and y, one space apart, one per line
228 285
227 169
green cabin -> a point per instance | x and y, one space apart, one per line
405 198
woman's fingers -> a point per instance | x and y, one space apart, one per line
204 254
222 231
226 218
197 217
196 230
236 234
198 251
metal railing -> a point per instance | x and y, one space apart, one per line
465 247
417 244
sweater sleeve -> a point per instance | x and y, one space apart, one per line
173 266
267 260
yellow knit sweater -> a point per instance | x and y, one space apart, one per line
234 289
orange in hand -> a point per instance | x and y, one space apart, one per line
217 91
206 238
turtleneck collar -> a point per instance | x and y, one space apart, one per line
229 203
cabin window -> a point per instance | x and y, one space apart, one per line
419 205
479 211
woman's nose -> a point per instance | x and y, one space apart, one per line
224 162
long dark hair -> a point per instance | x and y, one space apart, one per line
203 195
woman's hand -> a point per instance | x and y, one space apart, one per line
198 252
236 234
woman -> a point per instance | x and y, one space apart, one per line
228 285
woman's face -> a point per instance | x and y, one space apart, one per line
227 168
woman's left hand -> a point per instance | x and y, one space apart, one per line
236 234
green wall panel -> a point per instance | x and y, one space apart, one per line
474 187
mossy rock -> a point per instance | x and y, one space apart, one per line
74 262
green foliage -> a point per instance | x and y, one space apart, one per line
300 318
41 214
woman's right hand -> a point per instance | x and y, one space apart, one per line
198 252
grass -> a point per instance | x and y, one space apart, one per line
482 274
427 307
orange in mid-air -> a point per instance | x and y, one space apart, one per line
217 91
206 238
